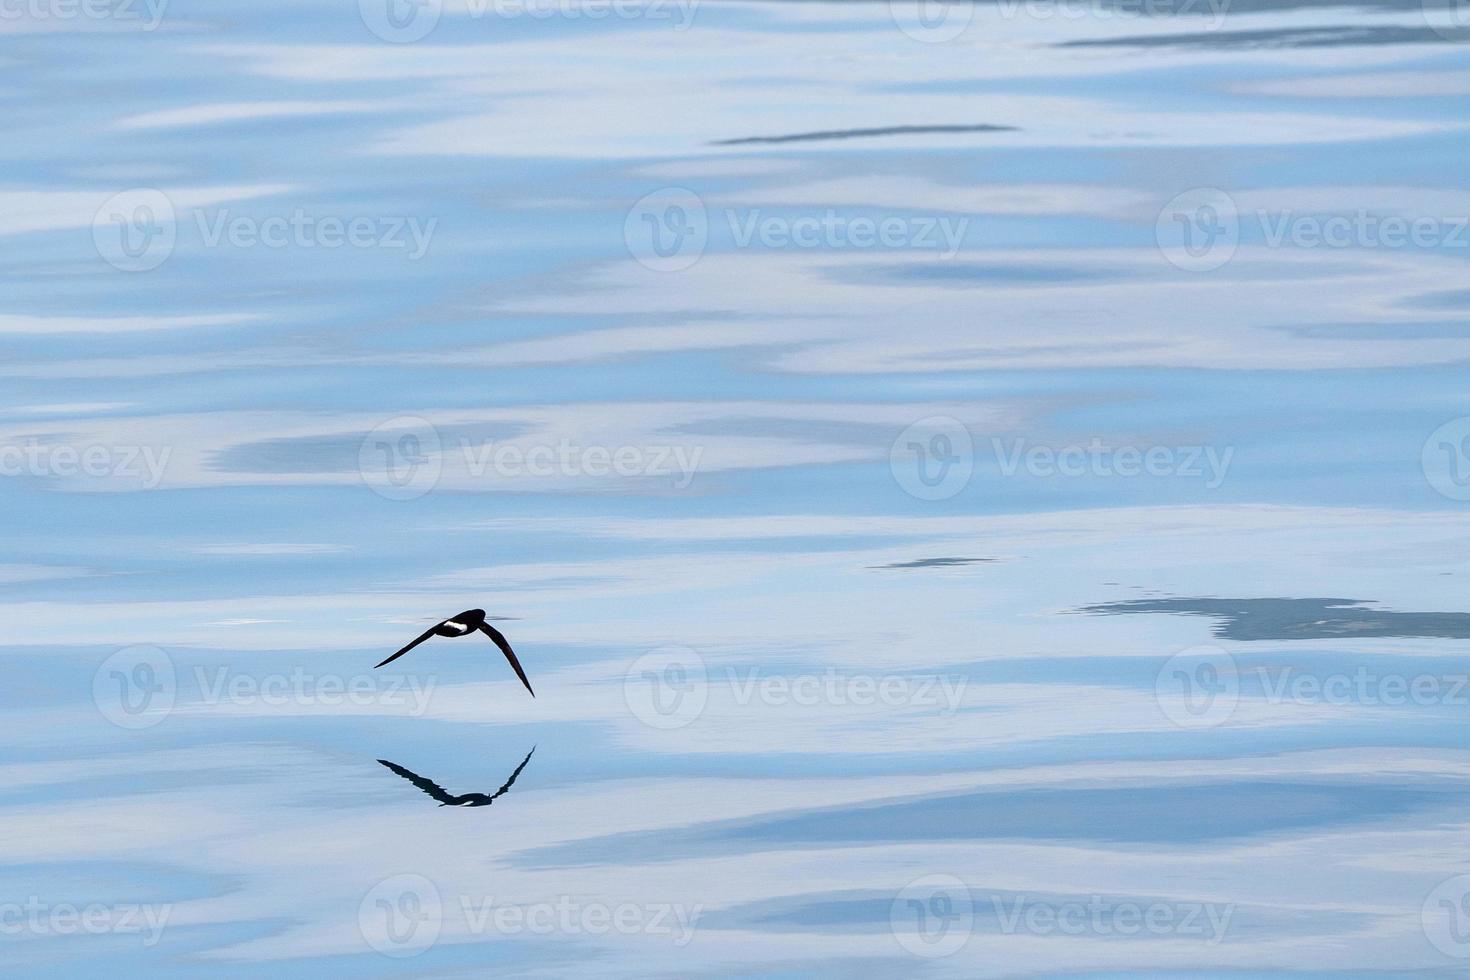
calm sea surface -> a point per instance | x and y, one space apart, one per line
978 490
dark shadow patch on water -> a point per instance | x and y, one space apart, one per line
1175 814
1297 619
1282 37
337 453
848 134
1458 299
935 563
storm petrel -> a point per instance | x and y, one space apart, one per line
464 624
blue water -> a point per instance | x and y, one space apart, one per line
810 392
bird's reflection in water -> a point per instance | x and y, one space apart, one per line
466 799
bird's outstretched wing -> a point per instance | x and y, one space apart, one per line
427 633
427 785
510 655
513 776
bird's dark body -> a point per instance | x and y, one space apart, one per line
472 799
462 625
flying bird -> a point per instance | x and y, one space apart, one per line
449 799
464 624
